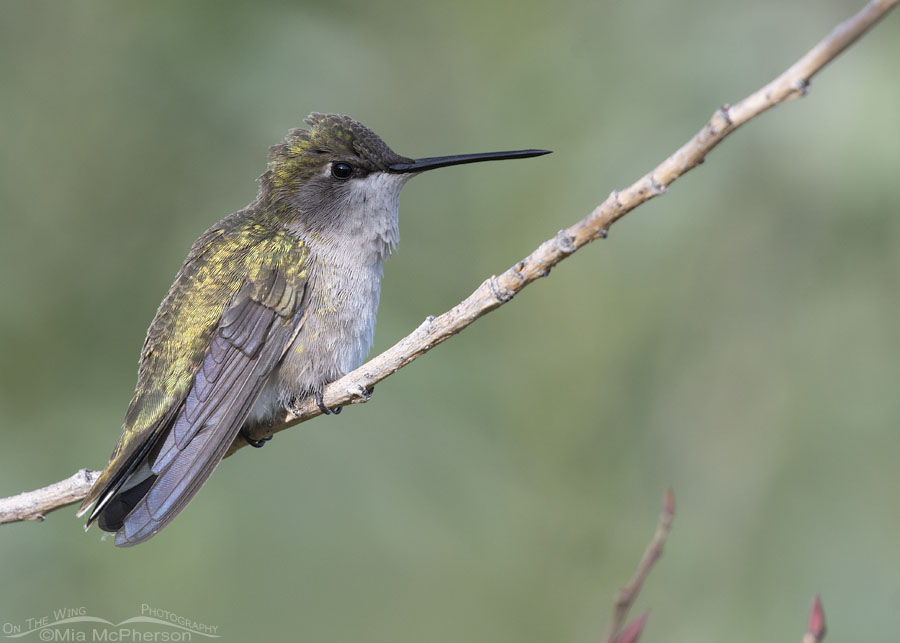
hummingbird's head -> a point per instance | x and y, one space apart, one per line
321 172
334 146
338 172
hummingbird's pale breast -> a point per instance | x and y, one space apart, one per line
345 267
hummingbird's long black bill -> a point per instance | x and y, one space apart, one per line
433 162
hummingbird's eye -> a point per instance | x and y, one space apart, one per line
341 170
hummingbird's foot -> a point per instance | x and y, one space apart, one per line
325 410
258 444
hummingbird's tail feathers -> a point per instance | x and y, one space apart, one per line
122 472
182 471
114 511
249 342
170 491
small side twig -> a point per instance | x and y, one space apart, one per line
628 594
815 630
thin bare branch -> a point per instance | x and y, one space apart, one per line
34 505
627 595
497 290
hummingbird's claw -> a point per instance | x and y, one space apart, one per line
325 410
258 444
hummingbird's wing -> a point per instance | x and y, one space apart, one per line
191 402
249 341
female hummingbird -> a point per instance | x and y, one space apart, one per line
272 303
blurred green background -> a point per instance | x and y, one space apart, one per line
736 340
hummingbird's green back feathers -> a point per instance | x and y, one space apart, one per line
214 341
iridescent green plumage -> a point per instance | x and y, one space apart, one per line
246 250
220 261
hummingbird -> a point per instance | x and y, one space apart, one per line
272 303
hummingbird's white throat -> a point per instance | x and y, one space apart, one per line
371 214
